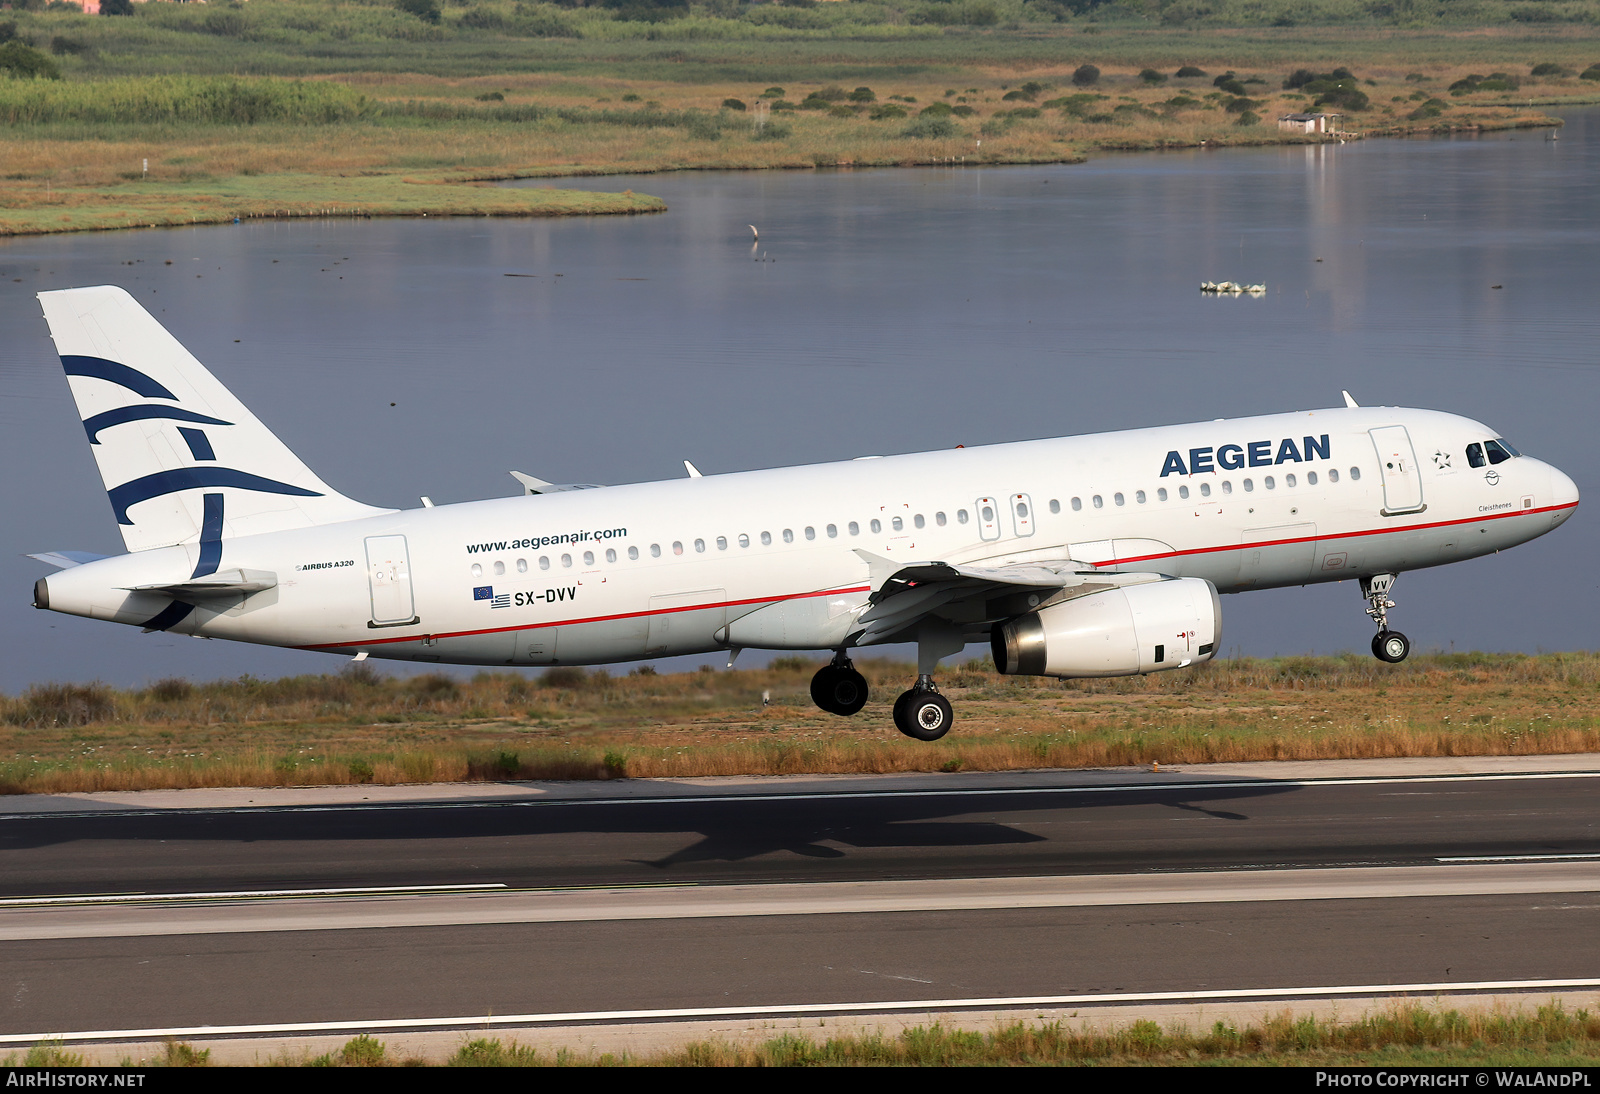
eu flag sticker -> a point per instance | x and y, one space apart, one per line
483 592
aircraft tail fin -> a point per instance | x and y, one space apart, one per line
183 460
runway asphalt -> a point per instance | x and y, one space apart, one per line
756 896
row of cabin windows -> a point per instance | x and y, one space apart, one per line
897 524
1270 482
700 546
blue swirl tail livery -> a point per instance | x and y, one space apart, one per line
1087 556
182 459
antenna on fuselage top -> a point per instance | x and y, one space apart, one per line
1349 402
694 472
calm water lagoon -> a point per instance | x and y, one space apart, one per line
880 311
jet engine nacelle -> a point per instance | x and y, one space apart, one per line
1120 632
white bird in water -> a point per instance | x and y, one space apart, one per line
753 233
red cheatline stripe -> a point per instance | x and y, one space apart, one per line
867 588
1340 535
593 619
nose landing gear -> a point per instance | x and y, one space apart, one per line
838 688
1387 645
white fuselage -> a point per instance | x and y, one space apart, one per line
774 559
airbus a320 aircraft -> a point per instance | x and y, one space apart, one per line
1080 557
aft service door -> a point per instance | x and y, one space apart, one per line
389 577
1397 463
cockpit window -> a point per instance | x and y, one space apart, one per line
1475 455
1497 454
1505 444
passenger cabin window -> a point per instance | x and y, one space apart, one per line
499 568
1077 504
897 524
477 570
938 518
1311 479
833 531
1118 498
633 554
588 558
961 516
1139 496
1205 490
1269 482
722 543
918 521
1333 474
1183 492
1161 494
1227 486
677 547
876 525
1099 502
522 565
1288 480
566 560
1249 485
766 539
1355 473
655 552
544 560
1055 505
744 540
811 533
788 535
699 546
854 528
611 555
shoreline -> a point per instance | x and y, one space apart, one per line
167 204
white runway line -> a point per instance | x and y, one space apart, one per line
792 1010
248 894
246 915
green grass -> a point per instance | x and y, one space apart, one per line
576 724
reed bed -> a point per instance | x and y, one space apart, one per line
569 723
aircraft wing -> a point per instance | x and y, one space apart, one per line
973 596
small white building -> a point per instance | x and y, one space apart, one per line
1310 123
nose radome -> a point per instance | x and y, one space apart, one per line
1563 491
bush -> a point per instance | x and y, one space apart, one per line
492 97
433 685
1249 117
1550 68
61 46
64 705
1189 72
362 1051
1151 76
25 61
863 95
1086 76
170 689
1590 73
733 104
570 677
116 7
1019 95
772 131
931 128
426 10
887 110
772 93
937 110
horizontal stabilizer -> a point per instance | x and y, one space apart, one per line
225 583
65 560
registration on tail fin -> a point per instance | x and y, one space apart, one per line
181 457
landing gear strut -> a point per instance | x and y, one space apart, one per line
1387 645
838 688
922 712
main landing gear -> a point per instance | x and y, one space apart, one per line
838 688
922 712
1387 645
